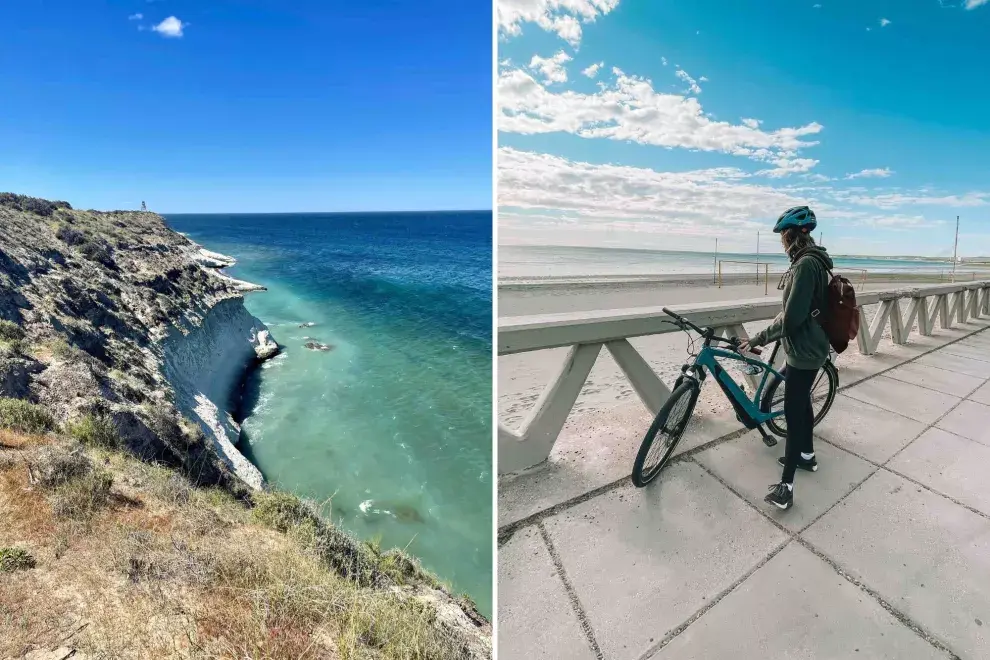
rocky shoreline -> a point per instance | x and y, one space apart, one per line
129 319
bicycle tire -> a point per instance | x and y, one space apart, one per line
780 429
681 403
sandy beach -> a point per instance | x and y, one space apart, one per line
608 405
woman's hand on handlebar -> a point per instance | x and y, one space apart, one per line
745 346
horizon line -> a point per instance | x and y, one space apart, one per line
408 211
642 249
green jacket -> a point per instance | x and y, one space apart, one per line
805 290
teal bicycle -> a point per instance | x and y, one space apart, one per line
765 409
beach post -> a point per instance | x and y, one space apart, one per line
757 258
720 274
955 251
715 263
766 279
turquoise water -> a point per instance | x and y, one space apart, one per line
393 424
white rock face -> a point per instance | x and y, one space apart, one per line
213 259
206 368
264 346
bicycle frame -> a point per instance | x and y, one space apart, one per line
749 411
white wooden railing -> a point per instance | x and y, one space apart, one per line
586 333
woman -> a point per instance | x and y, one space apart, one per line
805 288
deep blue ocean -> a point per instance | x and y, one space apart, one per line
393 424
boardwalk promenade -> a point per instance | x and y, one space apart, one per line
886 553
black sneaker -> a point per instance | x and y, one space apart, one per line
780 496
809 465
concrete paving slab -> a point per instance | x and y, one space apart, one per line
926 556
748 466
970 420
866 430
823 616
595 451
934 378
978 340
643 561
950 464
981 395
905 399
535 617
957 363
981 353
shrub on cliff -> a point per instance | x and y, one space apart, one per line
98 250
11 338
20 415
15 559
83 496
41 207
96 430
10 331
76 487
70 236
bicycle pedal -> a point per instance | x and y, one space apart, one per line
768 439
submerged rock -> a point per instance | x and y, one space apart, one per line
317 346
307 324
265 347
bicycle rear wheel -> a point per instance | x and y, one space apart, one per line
822 395
665 432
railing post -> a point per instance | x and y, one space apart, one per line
539 432
899 330
869 335
943 310
925 321
651 390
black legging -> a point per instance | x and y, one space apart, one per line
800 417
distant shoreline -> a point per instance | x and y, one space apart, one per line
524 283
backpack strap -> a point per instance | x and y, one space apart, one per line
817 311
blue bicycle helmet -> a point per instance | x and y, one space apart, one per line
799 216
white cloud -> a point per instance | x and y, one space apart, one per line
629 109
592 70
788 166
564 17
548 193
695 203
135 17
703 79
877 173
973 4
552 68
885 22
170 27
816 6
691 82
664 60
894 200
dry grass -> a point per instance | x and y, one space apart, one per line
134 562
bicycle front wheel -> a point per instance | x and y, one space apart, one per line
822 395
665 432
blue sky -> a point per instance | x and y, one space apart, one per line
248 105
663 124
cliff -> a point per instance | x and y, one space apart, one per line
122 345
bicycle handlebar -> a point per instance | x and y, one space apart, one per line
708 333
